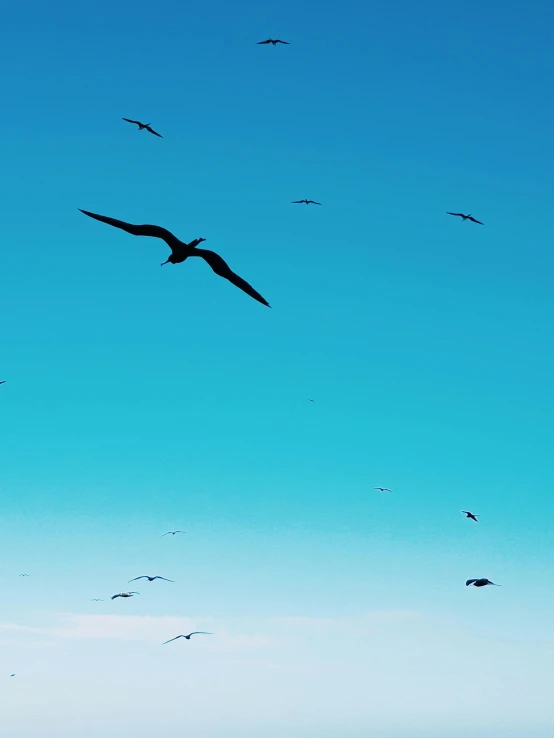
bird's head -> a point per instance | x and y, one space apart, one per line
171 260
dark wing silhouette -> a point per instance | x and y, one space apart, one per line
298 202
314 202
198 632
475 221
113 597
222 269
269 41
172 639
135 579
470 581
136 122
165 580
278 41
153 131
461 215
3 381
138 230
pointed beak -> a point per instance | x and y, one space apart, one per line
164 262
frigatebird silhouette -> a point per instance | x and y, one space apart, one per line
273 41
195 632
383 489
181 251
124 594
172 532
481 583
470 515
298 202
150 579
465 217
142 126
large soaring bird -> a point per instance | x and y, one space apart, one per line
466 217
181 251
470 515
273 41
143 126
481 583
195 632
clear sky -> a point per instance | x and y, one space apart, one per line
141 399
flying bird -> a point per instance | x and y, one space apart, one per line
298 202
195 632
172 532
3 381
150 579
142 126
383 489
273 41
124 594
97 600
470 515
311 400
12 675
23 575
466 217
481 583
181 251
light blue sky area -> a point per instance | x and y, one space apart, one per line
141 399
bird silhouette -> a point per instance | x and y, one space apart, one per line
142 126
124 594
298 202
195 632
465 217
172 532
481 583
96 599
470 515
273 41
3 381
383 489
150 579
181 251
12 675
311 400
23 575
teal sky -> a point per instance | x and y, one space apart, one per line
140 399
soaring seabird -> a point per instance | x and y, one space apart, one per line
124 594
470 515
181 251
466 217
383 489
298 202
142 126
172 532
273 41
150 579
481 583
195 632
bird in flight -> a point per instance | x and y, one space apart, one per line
3 381
383 489
23 575
470 515
273 41
481 583
298 202
311 400
97 600
150 579
142 126
466 217
172 532
12 675
195 632
124 594
181 251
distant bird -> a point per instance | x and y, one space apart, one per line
150 579
196 632
298 202
3 381
383 489
23 575
12 675
97 600
181 251
273 41
470 515
124 594
311 400
466 217
142 126
481 583
172 532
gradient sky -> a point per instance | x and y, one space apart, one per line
141 399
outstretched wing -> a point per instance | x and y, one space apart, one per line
298 202
172 639
461 215
269 41
136 122
221 268
138 230
470 581
153 131
135 579
165 580
475 221
314 202
199 632
113 597
3 381
278 41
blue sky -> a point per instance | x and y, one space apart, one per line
141 399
